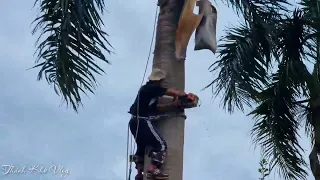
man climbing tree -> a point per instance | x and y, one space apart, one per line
145 106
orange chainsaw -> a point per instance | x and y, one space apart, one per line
188 101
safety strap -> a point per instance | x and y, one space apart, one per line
157 117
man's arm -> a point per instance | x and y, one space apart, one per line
158 91
168 106
174 92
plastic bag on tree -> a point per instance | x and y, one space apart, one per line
205 37
188 23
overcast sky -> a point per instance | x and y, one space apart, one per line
91 145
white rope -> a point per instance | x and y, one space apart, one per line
128 174
127 153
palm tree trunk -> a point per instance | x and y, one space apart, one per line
172 128
315 107
313 157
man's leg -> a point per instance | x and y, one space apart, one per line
158 153
140 159
137 132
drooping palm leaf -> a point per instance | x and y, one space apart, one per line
248 8
305 117
276 127
243 64
72 42
246 53
293 49
308 112
312 9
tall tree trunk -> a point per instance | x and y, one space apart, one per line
315 103
172 128
315 107
313 157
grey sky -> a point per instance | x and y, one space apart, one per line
34 130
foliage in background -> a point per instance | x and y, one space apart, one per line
72 42
263 170
262 65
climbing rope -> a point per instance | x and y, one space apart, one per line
128 174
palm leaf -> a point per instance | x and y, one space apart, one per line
311 9
243 66
296 47
276 123
246 53
276 128
248 8
305 115
72 40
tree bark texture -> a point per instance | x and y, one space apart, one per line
315 109
314 155
172 129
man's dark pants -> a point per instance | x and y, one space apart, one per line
148 135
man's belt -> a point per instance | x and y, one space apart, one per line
151 118
147 117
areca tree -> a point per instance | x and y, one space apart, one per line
72 41
263 64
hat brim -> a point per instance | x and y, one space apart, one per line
153 78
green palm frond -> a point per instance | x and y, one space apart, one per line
311 9
243 66
308 111
249 8
72 41
294 51
305 116
276 127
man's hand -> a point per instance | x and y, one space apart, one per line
176 102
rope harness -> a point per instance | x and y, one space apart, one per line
157 117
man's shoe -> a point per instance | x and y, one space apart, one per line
139 177
156 174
